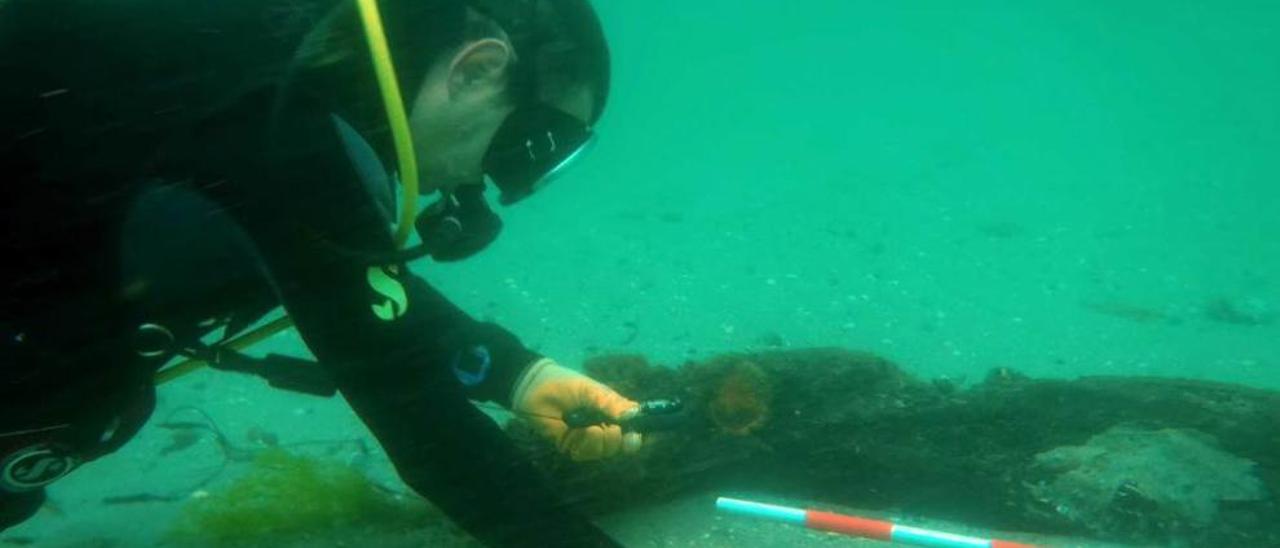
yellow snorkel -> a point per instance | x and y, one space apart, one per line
406 159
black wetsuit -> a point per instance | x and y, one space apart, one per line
134 194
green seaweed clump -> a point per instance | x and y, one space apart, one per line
290 496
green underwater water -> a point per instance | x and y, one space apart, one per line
1063 188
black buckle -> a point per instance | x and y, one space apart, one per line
283 372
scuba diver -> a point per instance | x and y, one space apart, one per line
174 171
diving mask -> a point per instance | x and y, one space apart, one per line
534 145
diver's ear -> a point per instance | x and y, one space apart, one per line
480 66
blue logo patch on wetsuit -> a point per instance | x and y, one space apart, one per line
472 366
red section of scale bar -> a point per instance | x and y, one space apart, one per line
871 528
1008 544
849 525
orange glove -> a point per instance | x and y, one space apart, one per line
547 391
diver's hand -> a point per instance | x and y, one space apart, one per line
547 391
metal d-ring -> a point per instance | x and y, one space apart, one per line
153 340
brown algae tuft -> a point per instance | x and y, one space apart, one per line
741 398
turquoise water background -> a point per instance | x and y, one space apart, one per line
1062 188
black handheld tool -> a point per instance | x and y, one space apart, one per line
654 416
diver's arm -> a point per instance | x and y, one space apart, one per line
397 377
389 339
456 455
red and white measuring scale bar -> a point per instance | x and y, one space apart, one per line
859 527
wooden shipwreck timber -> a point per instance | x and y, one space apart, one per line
1128 459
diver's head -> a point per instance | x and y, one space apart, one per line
515 99
507 89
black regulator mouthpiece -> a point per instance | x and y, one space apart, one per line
459 225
